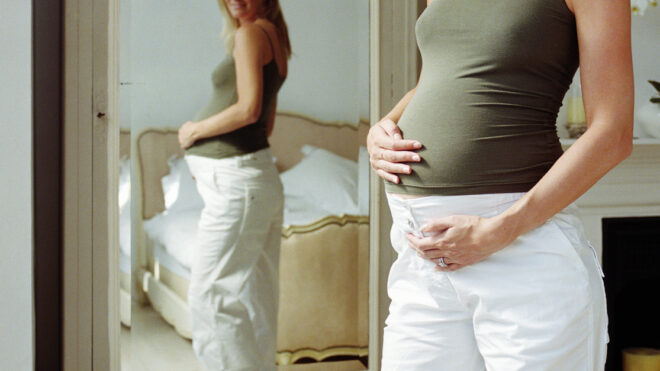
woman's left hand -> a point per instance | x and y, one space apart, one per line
460 239
186 135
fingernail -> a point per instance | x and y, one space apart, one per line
417 145
408 170
416 158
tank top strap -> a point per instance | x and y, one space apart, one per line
272 48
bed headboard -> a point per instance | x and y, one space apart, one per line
155 146
292 131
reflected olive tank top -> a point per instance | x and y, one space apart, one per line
494 76
249 138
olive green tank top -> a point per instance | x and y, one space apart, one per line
495 73
249 138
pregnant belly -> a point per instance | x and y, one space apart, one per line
464 145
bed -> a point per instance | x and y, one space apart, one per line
324 256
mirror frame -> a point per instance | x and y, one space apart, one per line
393 72
90 322
91 146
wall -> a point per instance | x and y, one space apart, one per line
169 48
329 76
646 54
16 311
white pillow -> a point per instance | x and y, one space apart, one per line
125 205
170 182
179 188
363 181
324 179
124 183
125 230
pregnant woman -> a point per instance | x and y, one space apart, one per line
494 271
233 285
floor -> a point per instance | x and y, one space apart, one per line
152 344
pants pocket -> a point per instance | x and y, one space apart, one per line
571 226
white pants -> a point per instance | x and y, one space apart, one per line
538 304
234 275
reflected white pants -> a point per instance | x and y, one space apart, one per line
538 304
233 289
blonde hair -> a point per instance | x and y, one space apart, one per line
271 11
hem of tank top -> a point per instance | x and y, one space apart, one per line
458 189
232 154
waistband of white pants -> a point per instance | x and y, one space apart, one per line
257 158
408 211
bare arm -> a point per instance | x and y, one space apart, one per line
387 148
608 93
607 84
388 151
248 57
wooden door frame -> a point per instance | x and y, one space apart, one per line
90 176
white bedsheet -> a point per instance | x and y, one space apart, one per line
170 262
322 184
176 231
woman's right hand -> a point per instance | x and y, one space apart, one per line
388 150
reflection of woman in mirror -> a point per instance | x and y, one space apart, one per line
233 285
494 270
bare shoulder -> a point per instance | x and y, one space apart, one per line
248 33
250 40
274 39
266 24
269 28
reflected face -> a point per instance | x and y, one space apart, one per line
244 10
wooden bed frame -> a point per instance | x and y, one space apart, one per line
325 262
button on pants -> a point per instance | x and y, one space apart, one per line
538 304
234 275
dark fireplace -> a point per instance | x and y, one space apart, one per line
631 262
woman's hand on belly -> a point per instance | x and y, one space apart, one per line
460 240
186 138
388 150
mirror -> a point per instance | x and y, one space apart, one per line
168 51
